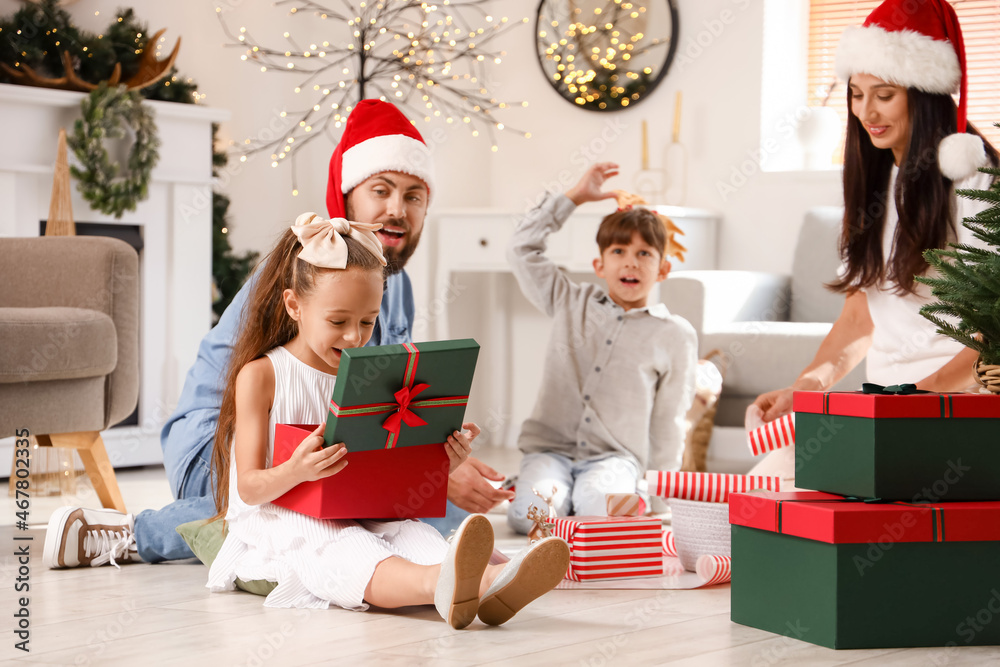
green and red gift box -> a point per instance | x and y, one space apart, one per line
602 547
845 573
394 407
898 446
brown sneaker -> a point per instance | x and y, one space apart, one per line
77 537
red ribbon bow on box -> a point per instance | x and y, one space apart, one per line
404 415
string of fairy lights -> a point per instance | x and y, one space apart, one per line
595 58
429 59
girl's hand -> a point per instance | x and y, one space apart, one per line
310 462
589 187
459 445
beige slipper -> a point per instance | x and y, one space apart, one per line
529 575
457 595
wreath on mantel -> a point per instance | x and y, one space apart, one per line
108 112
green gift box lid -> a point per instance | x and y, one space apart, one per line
390 396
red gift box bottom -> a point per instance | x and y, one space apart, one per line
398 483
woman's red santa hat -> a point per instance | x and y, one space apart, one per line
377 137
917 44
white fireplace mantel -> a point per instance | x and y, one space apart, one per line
176 225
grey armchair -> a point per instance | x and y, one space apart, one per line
69 345
768 326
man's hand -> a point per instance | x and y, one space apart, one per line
469 488
589 187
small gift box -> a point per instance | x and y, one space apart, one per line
625 504
844 573
611 547
393 406
890 444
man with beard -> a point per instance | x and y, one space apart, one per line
380 172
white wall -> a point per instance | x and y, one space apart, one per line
717 67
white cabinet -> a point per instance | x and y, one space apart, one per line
470 253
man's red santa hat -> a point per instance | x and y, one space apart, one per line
377 137
917 44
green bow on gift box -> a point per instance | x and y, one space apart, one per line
901 389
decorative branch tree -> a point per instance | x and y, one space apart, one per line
968 286
429 59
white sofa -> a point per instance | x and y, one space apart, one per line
768 326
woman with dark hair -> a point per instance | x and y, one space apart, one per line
908 149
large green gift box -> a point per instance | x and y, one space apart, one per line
920 446
844 573
401 395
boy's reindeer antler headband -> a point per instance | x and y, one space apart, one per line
323 244
627 200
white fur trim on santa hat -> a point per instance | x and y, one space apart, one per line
960 155
903 57
389 152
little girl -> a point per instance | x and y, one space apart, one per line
319 291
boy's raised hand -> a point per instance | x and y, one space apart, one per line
590 184
459 445
310 461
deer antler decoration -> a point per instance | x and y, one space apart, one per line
541 528
150 71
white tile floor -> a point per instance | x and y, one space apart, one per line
162 614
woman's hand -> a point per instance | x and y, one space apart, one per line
778 403
310 461
459 445
775 404
590 184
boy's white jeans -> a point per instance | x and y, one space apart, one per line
581 486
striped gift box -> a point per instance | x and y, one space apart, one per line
625 504
772 435
712 487
611 547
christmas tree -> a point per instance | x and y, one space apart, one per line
968 284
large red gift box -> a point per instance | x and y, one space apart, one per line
603 547
379 484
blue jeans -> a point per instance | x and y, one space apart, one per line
156 537
580 485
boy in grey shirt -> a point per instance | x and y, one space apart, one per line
619 374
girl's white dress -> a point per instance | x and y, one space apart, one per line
315 562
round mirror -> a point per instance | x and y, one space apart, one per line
605 55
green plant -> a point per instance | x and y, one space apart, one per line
968 282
